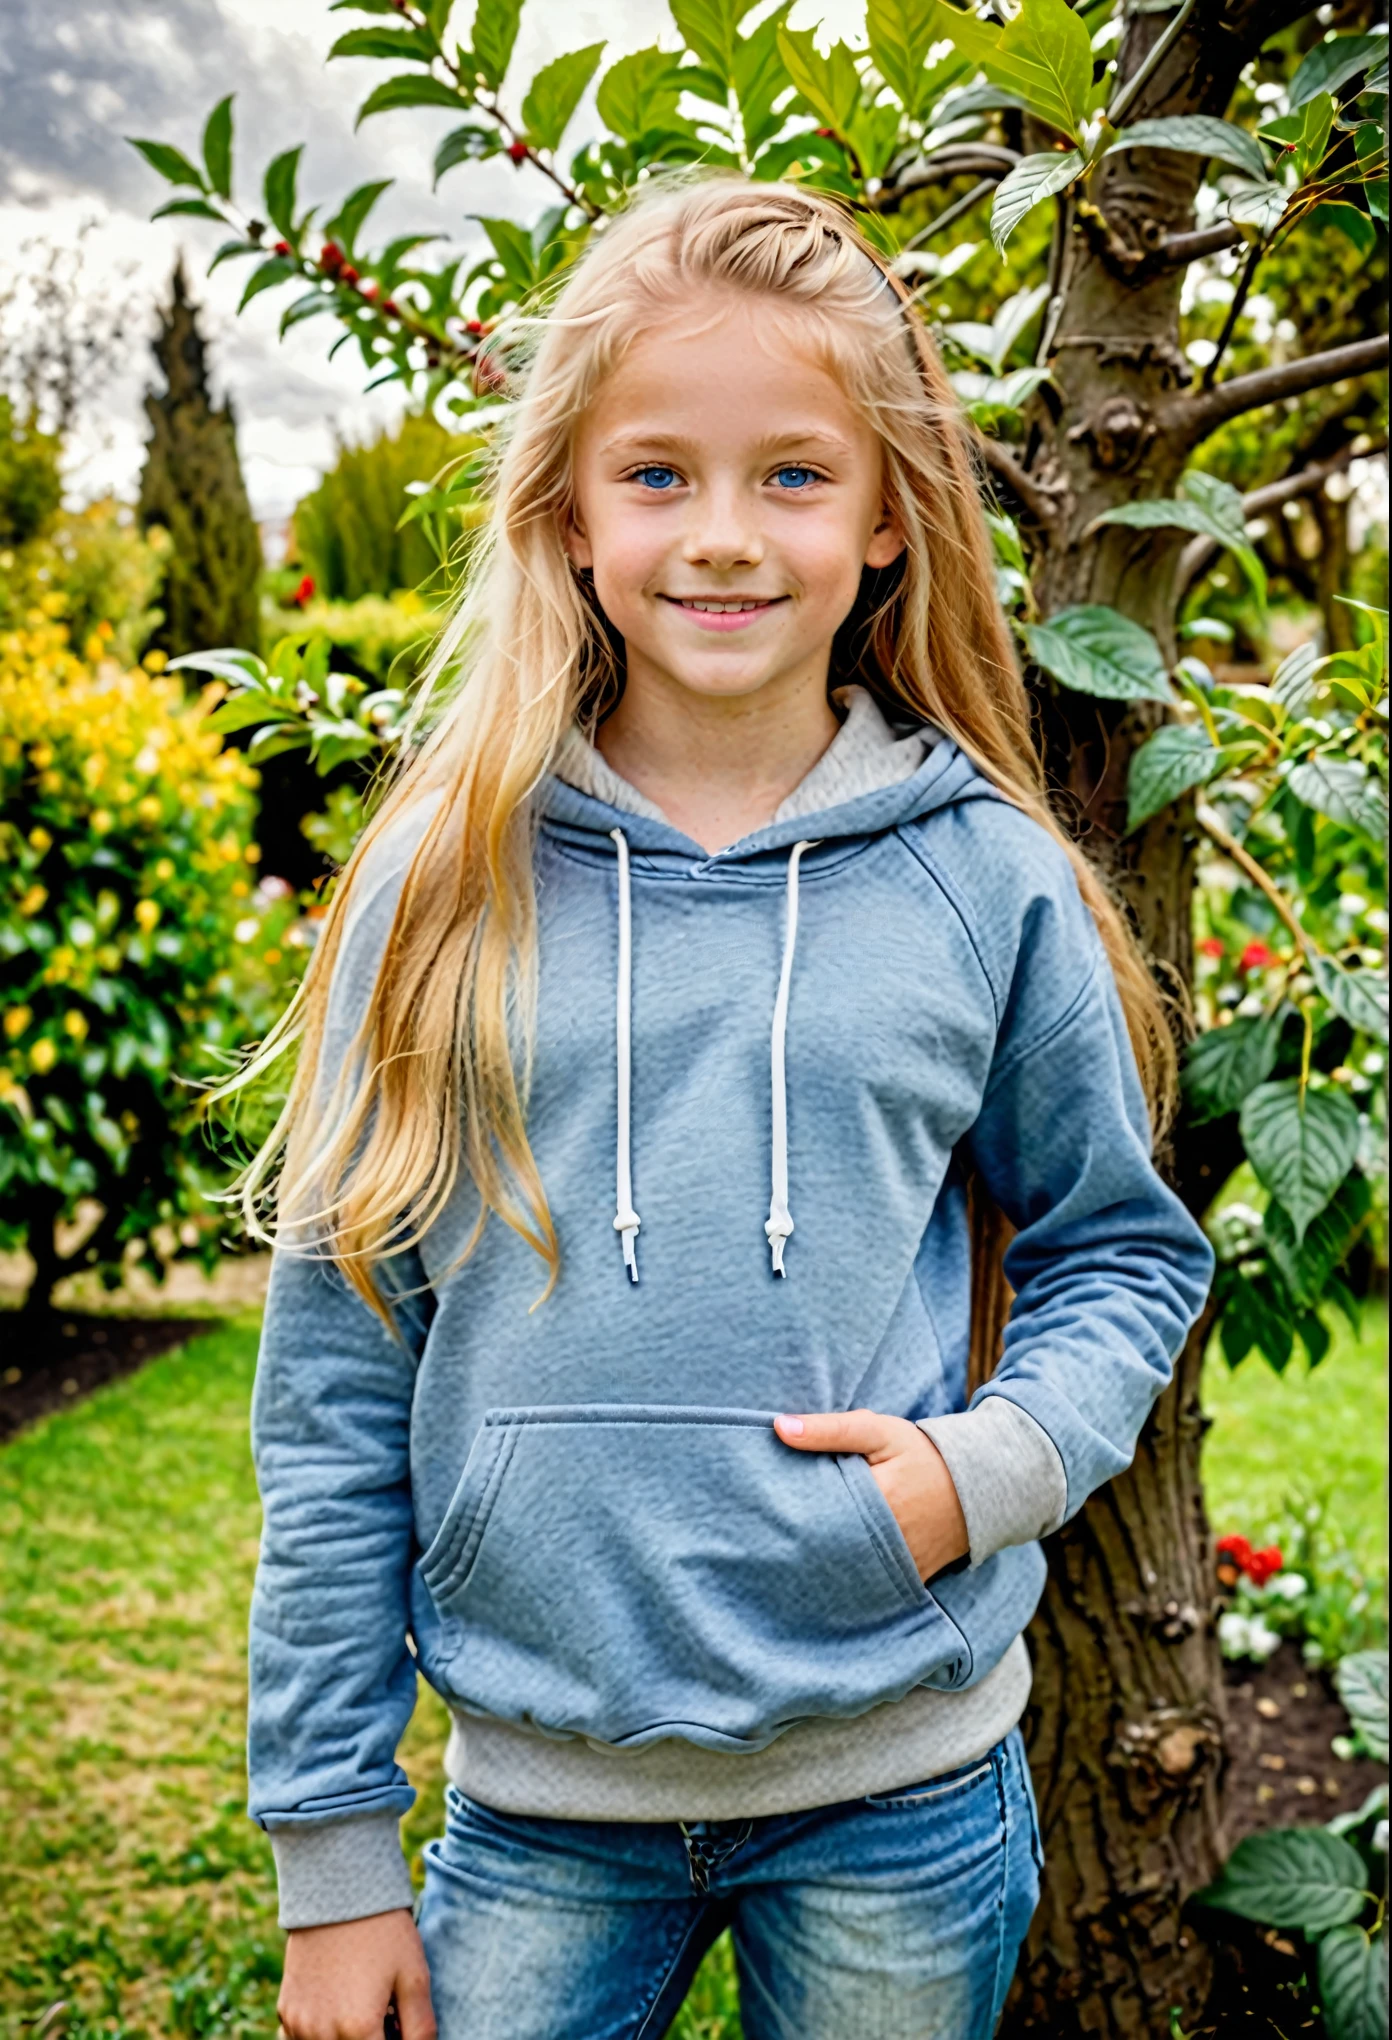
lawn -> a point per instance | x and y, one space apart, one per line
133 1891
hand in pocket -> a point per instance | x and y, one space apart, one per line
909 1470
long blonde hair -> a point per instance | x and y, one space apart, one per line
435 1081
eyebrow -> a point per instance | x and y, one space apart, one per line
636 440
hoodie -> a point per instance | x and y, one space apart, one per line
759 1076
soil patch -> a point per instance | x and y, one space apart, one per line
80 1354
1282 1717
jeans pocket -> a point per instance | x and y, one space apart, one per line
934 1791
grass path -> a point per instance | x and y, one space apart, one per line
133 1890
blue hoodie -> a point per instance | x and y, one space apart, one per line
757 1076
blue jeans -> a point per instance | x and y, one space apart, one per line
897 1917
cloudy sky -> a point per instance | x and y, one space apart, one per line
76 76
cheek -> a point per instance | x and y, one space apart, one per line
628 548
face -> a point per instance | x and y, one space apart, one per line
727 498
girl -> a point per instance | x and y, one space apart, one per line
725 894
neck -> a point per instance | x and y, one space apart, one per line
717 766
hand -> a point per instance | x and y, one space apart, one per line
911 1472
340 1980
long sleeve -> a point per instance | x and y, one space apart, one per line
1109 1269
332 1680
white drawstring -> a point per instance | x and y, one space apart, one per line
626 1220
779 1228
780 1220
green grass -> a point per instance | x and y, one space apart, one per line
133 1889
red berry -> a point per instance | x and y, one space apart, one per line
518 151
474 326
1210 946
282 247
331 256
389 306
1256 956
371 288
827 134
303 593
348 274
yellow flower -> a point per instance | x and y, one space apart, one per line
50 782
100 821
147 913
40 840
155 662
164 870
41 757
43 1055
75 1024
16 1020
33 899
148 809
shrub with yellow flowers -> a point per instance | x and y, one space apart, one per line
126 873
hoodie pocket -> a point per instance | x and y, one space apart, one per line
629 1573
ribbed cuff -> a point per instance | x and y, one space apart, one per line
1006 1470
340 1870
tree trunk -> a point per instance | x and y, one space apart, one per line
1125 1726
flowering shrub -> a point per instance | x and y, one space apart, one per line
1305 1587
125 868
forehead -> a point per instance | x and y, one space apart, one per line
724 366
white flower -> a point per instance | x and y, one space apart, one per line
247 931
1290 1586
1246 1636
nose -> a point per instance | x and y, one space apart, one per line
722 529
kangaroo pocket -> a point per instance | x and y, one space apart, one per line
628 1573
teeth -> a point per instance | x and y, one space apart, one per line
724 608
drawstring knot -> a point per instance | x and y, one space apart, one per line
779 1227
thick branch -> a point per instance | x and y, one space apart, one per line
967 159
1304 482
1023 486
1192 418
1176 251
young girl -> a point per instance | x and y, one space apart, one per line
614 1368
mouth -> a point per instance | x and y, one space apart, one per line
724 612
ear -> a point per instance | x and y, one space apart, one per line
575 540
886 542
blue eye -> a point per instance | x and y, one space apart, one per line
656 477
796 477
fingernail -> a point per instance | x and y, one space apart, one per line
794 1426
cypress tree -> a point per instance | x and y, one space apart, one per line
192 485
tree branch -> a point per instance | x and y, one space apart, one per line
1176 251
1023 486
953 212
1208 820
1304 482
966 159
1193 417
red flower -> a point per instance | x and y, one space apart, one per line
1256 956
1236 1548
1263 1564
1259 1566
304 593
1210 946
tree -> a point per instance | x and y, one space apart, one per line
192 485
1077 141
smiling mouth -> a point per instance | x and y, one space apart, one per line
736 605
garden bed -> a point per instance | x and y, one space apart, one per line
80 1354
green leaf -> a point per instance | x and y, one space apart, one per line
761 78
1362 1682
1096 650
1291 1877
555 93
276 269
513 247
190 208
231 248
1260 205
282 174
275 738
495 32
347 222
1353 224
468 144
639 93
310 306
1033 179
1331 64
1252 1316
1315 1336
1043 54
217 147
1293 683
901 33
1197 135
1314 135
399 45
830 84
408 90
1343 790
1353 1983
1206 505
711 28
1224 1063
1301 1146
1166 765
173 165
1306 1267
1358 996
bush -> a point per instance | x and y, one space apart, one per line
108 573
380 638
31 487
125 883
346 530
